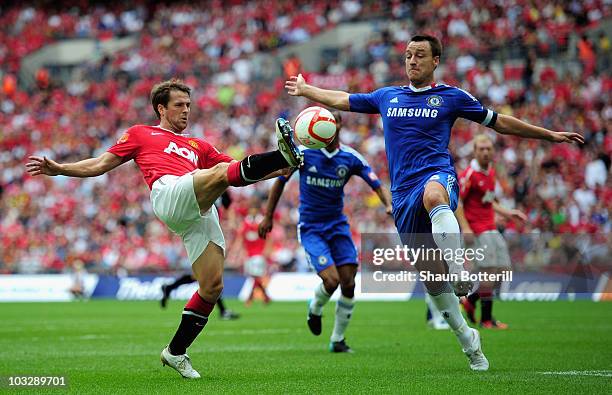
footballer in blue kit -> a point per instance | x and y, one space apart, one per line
323 229
417 121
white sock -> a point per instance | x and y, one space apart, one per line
320 298
344 311
435 313
446 233
448 304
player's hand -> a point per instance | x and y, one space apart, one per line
566 137
265 227
389 210
286 172
518 215
43 165
295 85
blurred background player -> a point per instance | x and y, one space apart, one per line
226 314
417 121
254 250
186 176
78 280
324 230
476 217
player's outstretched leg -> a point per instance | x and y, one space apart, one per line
168 288
344 308
435 319
286 145
208 270
445 230
255 167
322 294
447 302
209 184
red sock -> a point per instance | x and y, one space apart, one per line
233 175
199 305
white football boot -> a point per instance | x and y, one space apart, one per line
286 145
478 361
180 363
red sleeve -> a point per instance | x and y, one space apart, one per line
127 146
211 156
464 182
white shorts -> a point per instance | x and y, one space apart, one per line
174 202
495 250
255 266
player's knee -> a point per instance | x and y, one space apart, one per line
211 288
434 197
215 176
331 283
347 284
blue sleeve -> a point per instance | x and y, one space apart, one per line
366 102
369 176
468 107
362 168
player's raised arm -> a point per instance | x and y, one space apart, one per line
512 214
385 198
507 124
265 226
297 86
91 167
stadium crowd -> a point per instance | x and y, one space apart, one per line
107 222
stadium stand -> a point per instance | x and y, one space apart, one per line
107 222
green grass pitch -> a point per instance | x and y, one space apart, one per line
109 347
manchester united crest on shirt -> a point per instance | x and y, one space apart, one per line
123 138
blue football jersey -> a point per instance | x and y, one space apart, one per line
417 125
322 180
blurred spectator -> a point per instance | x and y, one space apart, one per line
48 224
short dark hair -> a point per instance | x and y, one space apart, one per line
160 94
434 43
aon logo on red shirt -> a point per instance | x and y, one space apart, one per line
184 152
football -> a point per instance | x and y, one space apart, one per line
315 127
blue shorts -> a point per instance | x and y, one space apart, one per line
410 214
327 244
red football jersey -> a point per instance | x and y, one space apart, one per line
478 193
158 152
253 244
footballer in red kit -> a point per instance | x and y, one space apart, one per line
476 217
179 153
186 176
255 264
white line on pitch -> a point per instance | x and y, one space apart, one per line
599 373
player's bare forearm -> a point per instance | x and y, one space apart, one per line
275 193
335 99
512 214
92 167
510 125
501 210
86 168
384 197
297 86
282 172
